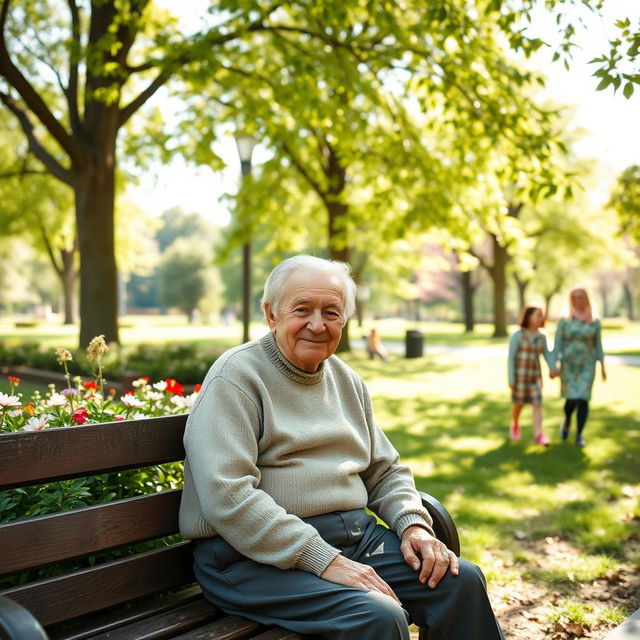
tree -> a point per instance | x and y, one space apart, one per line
182 276
625 199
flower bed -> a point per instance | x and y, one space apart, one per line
85 401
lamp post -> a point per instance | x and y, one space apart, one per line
245 144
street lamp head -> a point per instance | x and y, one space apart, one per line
245 144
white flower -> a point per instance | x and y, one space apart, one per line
56 400
9 401
140 382
130 400
36 423
184 402
160 386
155 396
138 415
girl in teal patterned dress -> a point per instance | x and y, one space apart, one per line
577 347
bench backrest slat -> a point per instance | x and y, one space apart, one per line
68 596
73 534
29 457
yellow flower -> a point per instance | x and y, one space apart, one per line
63 355
97 348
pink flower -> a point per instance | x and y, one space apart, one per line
118 418
80 415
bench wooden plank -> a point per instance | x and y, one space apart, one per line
90 626
166 624
68 596
82 532
229 628
281 634
34 457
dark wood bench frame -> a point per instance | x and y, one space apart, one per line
151 594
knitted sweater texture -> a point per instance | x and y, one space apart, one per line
268 444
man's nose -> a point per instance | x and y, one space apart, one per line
316 322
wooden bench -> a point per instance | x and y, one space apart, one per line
150 594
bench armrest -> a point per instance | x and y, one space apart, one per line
17 623
443 524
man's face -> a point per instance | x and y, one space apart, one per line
310 318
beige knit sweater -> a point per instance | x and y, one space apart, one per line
267 444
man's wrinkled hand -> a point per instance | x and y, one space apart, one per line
428 555
350 573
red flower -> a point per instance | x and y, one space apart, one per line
90 384
14 379
173 386
79 416
197 388
118 418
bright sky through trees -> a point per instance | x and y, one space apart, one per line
610 119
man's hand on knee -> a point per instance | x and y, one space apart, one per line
427 554
350 573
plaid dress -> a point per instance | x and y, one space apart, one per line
527 387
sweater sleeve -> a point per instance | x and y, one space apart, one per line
390 486
514 343
221 443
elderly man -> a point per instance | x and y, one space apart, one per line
283 456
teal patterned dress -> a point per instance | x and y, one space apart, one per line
578 346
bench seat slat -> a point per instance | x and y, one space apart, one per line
31 457
69 596
167 624
228 628
73 534
90 626
281 634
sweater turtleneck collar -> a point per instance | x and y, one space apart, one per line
272 350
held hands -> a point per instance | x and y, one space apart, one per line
428 555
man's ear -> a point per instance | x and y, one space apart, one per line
271 319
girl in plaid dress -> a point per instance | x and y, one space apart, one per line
525 376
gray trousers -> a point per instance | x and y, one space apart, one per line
457 609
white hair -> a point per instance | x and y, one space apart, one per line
276 283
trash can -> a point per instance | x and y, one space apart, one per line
414 341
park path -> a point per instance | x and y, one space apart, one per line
471 352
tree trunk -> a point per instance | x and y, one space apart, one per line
468 291
522 286
499 276
628 299
94 192
68 277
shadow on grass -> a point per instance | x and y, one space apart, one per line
460 453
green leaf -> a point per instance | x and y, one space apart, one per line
627 92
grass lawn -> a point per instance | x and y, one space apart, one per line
556 530
546 524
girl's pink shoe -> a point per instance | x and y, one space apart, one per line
542 439
514 432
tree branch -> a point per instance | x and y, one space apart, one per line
53 166
315 185
32 99
72 90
